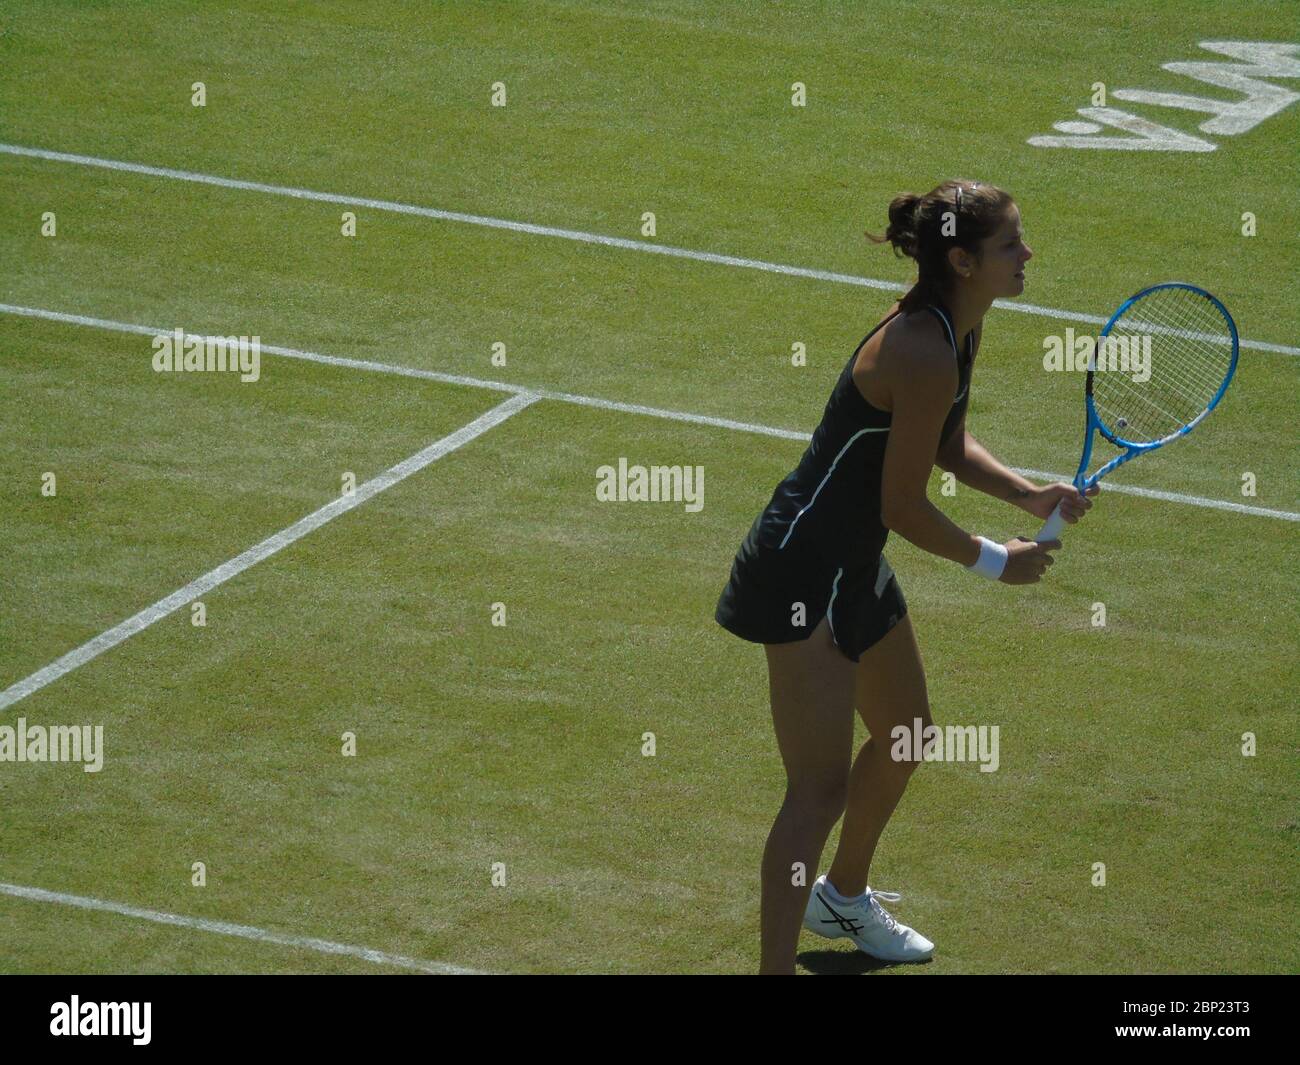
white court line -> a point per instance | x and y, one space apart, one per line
547 231
1173 497
243 931
146 617
614 405
425 375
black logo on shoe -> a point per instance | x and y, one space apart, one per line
848 924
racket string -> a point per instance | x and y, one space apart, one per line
1194 402
1190 351
1204 355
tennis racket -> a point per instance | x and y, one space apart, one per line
1160 365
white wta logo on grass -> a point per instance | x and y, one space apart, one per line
1260 100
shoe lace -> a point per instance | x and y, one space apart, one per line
882 913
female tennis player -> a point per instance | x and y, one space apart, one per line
809 581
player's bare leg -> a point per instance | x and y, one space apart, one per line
890 690
812 692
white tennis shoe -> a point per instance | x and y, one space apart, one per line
871 927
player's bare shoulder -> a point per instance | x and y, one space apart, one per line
907 347
916 353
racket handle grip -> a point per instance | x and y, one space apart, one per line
1052 529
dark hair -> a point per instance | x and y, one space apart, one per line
917 230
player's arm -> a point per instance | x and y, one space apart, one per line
921 401
972 464
922 398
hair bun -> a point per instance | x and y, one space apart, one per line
902 232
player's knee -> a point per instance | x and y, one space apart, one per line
818 797
902 748
898 759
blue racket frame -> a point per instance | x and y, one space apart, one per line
1132 448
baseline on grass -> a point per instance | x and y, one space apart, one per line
141 620
1185 343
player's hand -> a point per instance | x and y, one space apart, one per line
1027 560
1074 504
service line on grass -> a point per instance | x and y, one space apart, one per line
614 405
546 231
179 598
242 931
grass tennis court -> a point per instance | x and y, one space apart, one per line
521 743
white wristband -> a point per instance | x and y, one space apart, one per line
992 560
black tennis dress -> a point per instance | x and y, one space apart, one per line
815 551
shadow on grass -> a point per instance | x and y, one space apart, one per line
847 962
